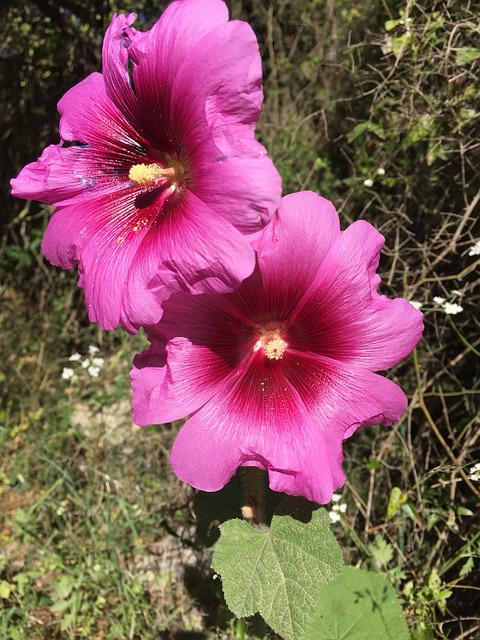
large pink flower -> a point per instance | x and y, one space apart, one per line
280 372
158 180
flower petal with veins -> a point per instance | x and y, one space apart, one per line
280 372
159 183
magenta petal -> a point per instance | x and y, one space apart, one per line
191 250
217 104
344 397
289 417
182 384
188 362
200 457
343 315
287 357
89 116
63 239
160 51
292 247
50 179
147 377
244 189
118 39
158 55
96 234
225 91
306 227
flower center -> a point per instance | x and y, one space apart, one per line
147 175
275 348
272 343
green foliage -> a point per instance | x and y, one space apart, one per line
396 500
279 571
358 605
381 552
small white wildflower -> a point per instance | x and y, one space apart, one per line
416 304
368 182
387 45
75 357
456 292
474 472
381 171
85 363
67 373
93 371
475 249
62 508
451 308
334 516
98 362
92 350
439 300
342 507
336 497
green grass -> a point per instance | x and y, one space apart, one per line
93 522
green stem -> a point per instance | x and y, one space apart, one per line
461 336
466 549
240 629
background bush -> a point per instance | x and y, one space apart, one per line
373 105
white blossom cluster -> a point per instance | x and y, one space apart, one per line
337 508
369 181
91 363
474 472
475 249
450 308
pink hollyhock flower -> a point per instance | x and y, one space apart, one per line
158 180
280 372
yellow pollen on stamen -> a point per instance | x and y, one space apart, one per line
145 175
270 341
274 349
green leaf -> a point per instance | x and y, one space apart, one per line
22 516
397 498
382 551
64 587
366 127
422 129
391 24
61 606
410 511
400 44
278 572
359 605
467 115
373 464
422 632
465 55
6 589
466 567
435 151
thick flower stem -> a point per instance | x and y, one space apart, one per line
253 487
